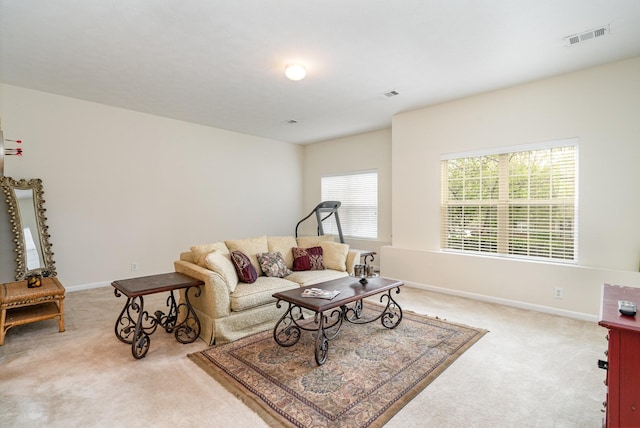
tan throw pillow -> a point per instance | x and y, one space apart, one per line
200 252
282 245
221 263
334 255
313 241
250 247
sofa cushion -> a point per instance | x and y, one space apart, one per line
310 277
312 241
246 272
250 247
283 244
272 264
247 296
200 252
334 255
307 258
221 263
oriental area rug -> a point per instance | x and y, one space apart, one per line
370 373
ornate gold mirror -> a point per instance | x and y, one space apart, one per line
28 224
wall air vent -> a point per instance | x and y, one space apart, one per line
587 35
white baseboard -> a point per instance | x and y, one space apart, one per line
467 295
506 302
87 286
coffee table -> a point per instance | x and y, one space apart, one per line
330 314
20 304
134 324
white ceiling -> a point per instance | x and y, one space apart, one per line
221 62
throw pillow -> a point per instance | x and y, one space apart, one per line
250 247
272 264
220 262
244 268
200 252
307 258
284 244
334 255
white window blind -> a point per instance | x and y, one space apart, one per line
358 193
521 203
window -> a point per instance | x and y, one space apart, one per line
358 193
520 202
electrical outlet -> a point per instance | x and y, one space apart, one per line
134 266
558 293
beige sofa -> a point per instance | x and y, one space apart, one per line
228 308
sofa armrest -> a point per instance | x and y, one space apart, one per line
353 258
214 297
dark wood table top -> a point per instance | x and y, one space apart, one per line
144 285
609 314
350 289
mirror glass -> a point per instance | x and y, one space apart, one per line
26 214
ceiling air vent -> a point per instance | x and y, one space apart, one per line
587 35
391 94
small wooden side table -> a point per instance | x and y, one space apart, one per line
23 305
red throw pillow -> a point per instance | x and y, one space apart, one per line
246 272
307 258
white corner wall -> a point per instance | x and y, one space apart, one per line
369 151
122 186
599 106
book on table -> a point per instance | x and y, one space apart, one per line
319 293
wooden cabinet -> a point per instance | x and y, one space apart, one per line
623 373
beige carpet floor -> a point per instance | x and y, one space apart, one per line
530 370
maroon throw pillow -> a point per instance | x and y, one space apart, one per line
246 272
307 258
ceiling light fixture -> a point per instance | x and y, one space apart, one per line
295 71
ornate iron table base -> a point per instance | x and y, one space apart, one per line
327 324
135 325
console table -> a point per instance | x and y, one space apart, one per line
622 405
135 325
22 305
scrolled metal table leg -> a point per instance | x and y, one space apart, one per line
125 326
392 314
322 343
352 314
189 329
286 332
169 321
141 340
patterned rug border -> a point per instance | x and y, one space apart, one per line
255 402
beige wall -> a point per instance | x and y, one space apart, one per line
370 151
600 107
124 187
119 184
